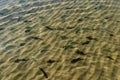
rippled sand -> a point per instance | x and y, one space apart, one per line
59 40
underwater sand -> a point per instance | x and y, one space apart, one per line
59 40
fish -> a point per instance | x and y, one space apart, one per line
34 58
45 74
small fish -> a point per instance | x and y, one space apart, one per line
2 28
34 58
89 37
109 57
22 44
19 18
103 30
111 35
70 27
50 61
9 47
27 30
68 8
18 60
42 17
80 52
27 21
59 28
64 16
73 43
36 38
47 27
78 30
76 60
68 47
22 1
80 20
43 51
87 42
45 74
64 37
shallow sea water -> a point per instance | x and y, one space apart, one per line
59 40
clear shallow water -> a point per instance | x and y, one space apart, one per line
63 39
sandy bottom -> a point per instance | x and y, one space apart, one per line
59 40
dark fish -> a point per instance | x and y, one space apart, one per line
27 21
70 27
59 28
87 42
64 37
1 13
87 17
90 38
22 44
9 47
33 37
111 35
45 74
68 8
47 27
50 61
110 57
27 30
2 28
80 52
107 17
76 60
4 11
24 59
22 1
19 18
78 30
79 20
68 47
36 38
19 60
64 16
43 51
